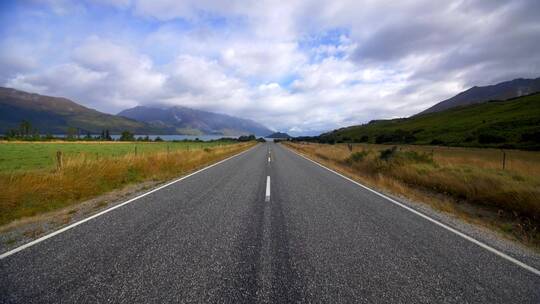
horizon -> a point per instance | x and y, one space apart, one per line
298 68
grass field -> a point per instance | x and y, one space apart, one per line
31 188
465 181
21 156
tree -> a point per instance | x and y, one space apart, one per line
71 133
127 136
107 135
25 127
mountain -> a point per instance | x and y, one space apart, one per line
184 120
56 115
512 123
278 135
501 91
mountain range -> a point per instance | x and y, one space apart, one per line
501 91
55 115
182 120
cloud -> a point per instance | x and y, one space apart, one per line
300 66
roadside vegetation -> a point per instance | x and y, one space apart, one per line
493 187
36 178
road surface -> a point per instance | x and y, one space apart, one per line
213 238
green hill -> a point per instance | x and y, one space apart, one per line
513 123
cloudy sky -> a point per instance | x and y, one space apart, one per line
297 66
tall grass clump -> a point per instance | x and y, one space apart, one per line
29 193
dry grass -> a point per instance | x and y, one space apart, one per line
29 193
466 182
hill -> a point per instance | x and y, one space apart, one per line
56 115
513 123
184 120
500 91
278 135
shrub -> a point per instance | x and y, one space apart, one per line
490 138
383 138
387 154
534 137
437 142
127 136
357 156
398 136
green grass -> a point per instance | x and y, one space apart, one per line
22 156
493 124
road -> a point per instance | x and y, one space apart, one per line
212 238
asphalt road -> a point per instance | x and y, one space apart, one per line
212 238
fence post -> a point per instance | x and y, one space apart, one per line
59 163
504 160
349 145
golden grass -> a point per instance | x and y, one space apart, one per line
462 181
29 193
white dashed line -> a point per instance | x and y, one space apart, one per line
267 197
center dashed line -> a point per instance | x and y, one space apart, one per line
267 197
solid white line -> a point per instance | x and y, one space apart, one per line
479 243
43 238
268 158
267 197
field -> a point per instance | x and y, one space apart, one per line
31 183
513 123
463 181
21 156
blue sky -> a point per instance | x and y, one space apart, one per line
300 66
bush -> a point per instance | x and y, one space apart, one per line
127 136
246 138
398 136
362 139
387 154
490 139
534 137
437 142
357 156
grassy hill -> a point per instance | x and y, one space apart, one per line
512 124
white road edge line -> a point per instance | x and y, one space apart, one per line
50 235
267 197
434 221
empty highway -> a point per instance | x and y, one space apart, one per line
266 226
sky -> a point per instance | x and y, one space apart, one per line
296 66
